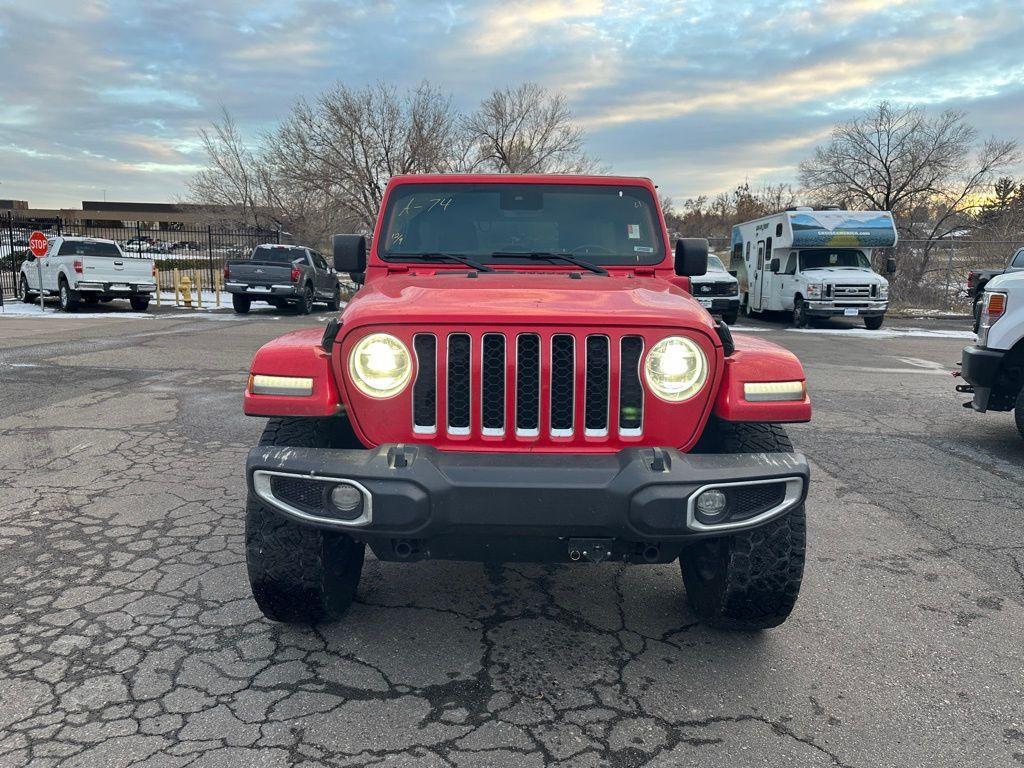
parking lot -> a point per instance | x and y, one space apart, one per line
128 635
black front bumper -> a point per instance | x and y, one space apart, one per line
980 367
634 505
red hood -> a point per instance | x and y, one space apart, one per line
542 298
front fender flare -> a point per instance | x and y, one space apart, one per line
298 353
757 360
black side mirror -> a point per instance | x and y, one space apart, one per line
349 253
734 272
775 265
890 266
691 256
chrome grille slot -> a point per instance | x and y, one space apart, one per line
631 392
596 404
563 384
528 385
492 389
424 392
458 383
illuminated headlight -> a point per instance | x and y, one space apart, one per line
675 369
289 386
380 365
814 291
774 391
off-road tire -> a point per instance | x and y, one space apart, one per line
305 305
335 301
24 294
301 574
731 318
799 312
750 580
1018 412
241 304
67 298
139 303
874 323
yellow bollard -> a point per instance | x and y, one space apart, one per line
186 291
176 278
156 274
216 288
199 288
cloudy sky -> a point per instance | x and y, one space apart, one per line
697 94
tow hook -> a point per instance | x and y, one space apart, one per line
594 550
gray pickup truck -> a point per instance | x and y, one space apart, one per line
282 275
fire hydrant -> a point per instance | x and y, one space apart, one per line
186 291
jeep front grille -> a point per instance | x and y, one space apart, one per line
520 385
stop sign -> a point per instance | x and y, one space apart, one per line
37 243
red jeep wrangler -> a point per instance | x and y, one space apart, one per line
525 377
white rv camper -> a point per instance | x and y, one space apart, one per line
814 264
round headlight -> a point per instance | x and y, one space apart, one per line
380 365
675 369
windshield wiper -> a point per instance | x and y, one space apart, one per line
550 256
438 256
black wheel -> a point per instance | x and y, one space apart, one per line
305 305
335 301
799 312
68 298
1018 412
301 574
24 295
746 306
731 318
240 303
874 323
139 303
749 580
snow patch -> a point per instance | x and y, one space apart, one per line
17 309
887 333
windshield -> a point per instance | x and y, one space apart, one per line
88 248
277 254
601 224
833 257
715 264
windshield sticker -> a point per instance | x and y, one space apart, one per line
633 231
642 249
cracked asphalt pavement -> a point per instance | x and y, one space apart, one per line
128 636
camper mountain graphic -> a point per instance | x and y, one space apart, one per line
868 229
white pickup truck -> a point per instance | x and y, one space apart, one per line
994 367
87 270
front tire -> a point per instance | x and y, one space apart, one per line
799 312
24 295
874 323
241 304
300 574
750 580
1018 412
67 297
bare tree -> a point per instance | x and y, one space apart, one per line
348 143
526 129
235 181
929 171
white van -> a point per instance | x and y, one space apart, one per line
814 264
89 270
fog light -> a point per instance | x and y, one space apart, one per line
347 498
711 506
